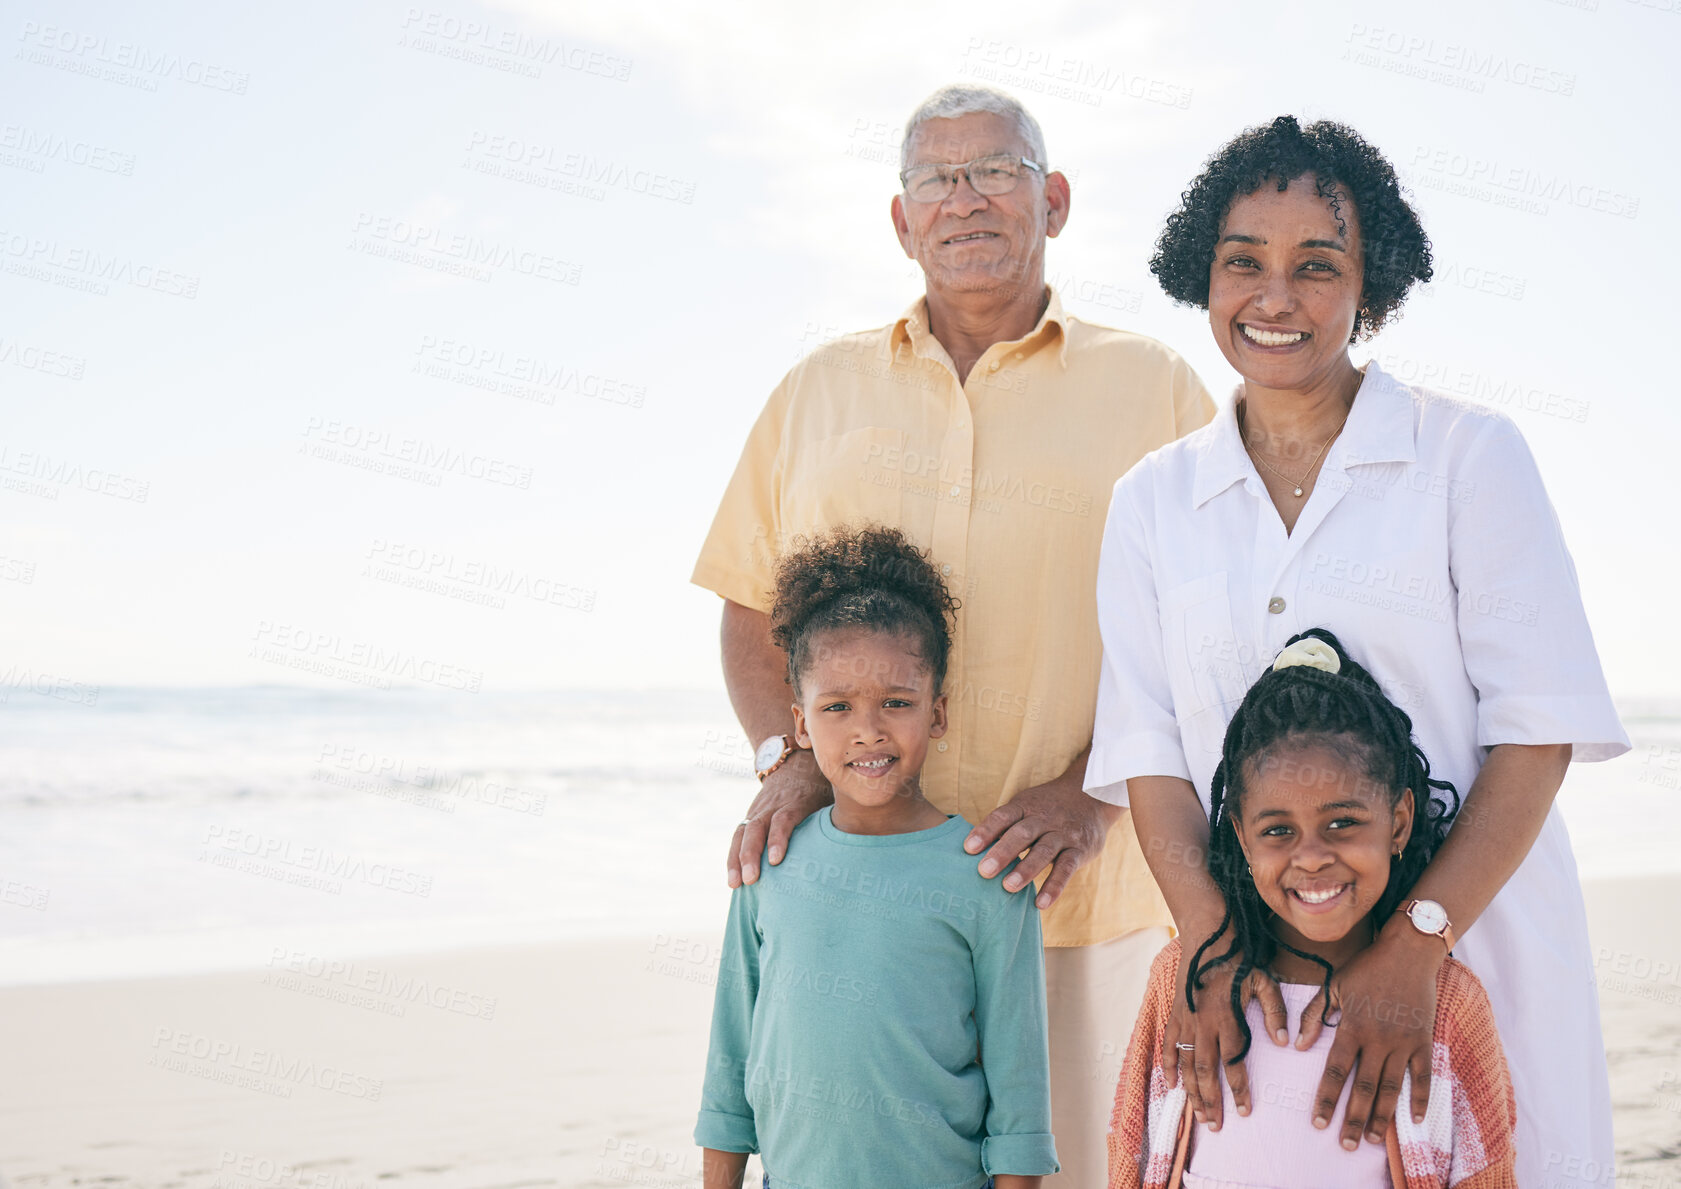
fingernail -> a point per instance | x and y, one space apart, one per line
1043 901
1012 883
1319 1123
1244 1111
1417 1118
776 854
989 868
1214 1126
1350 1144
749 874
1282 1036
971 844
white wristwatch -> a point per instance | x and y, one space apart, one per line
1427 916
772 754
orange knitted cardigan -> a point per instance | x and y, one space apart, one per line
1465 1139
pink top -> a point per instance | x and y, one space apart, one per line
1277 1146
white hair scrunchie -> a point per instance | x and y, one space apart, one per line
1315 654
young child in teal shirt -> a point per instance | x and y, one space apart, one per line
880 1011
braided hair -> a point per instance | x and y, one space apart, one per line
1348 714
868 578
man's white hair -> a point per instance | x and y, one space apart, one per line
948 103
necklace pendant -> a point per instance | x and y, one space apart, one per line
1298 491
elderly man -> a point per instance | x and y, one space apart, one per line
989 426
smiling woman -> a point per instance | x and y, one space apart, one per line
1297 243
1276 518
1388 250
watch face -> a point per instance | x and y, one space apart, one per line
769 752
1429 916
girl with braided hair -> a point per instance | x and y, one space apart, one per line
1323 815
880 1010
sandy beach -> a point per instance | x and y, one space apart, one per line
573 1065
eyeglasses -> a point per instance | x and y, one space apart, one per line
987 175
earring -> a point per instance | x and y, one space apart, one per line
1249 869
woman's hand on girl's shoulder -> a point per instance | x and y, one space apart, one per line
1212 1032
1387 999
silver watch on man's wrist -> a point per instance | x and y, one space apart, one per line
772 754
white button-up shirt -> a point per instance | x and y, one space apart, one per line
1428 545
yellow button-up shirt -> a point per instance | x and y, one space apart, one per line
1005 479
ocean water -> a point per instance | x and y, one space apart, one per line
148 832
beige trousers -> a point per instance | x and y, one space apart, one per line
1092 995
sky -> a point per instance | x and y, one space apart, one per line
344 340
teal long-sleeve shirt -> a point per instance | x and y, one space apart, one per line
859 977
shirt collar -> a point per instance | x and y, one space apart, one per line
1380 426
1379 429
912 327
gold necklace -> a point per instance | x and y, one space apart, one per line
1296 484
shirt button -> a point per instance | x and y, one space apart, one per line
993 366
945 570
1275 605
956 490
940 746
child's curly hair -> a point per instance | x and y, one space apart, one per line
869 577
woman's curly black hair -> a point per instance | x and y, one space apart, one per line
869 577
1396 250
1347 713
